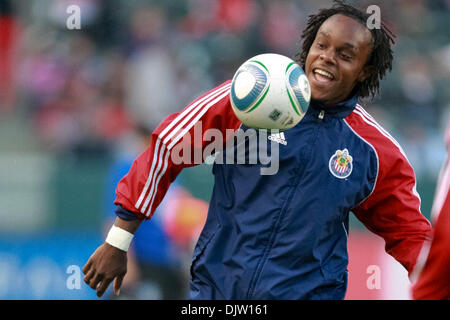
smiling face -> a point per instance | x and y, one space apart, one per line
336 61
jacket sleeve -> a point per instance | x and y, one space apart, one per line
392 210
432 271
178 142
434 279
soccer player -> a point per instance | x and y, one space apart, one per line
284 236
433 275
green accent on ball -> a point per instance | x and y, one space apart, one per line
288 66
261 64
260 100
292 101
287 90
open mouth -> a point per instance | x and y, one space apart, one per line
323 76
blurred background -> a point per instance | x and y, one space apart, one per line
77 105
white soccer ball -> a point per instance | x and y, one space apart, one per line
270 91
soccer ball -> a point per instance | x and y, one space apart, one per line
270 91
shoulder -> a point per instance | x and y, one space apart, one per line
394 168
215 94
212 108
393 164
388 150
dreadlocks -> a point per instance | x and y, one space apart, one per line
381 55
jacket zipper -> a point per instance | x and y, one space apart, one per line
255 279
321 115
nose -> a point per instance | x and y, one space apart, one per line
328 57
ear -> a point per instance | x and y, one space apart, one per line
365 73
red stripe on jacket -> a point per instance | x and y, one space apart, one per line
142 189
392 210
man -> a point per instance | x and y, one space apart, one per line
433 267
284 236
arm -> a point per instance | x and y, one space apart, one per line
142 189
434 279
109 263
177 143
433 267
392 211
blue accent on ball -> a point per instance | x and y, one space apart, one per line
294 75
255 93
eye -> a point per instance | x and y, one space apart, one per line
321 45
345 57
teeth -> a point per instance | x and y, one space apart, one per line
324 73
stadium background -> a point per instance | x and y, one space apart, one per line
70 101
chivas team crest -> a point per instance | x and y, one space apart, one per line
341 164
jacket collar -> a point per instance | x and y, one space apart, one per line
339 110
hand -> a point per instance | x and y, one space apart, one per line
106 264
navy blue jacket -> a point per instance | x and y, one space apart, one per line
284 236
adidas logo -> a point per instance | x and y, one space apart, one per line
278 137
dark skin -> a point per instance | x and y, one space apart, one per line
340 50
108 263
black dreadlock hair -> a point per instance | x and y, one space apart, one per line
381 55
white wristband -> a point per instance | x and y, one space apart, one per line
119 238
